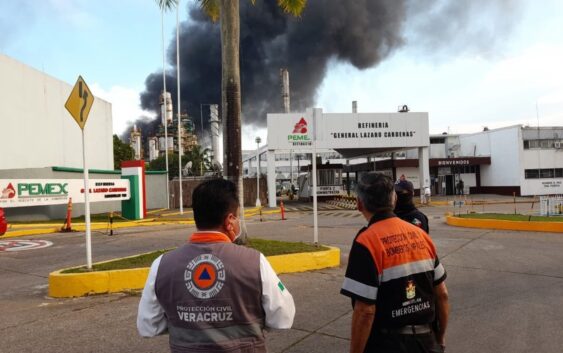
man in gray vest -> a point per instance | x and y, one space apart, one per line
210 294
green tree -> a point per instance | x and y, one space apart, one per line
121 152
227 11
200 158
201 162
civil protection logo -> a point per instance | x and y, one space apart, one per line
205 276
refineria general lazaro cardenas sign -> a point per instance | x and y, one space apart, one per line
43 192
352 130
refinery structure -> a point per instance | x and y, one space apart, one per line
154 146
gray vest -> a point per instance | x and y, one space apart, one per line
212 296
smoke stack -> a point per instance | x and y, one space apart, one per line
354 107
168 107
285 90
153 148
135 142
214 123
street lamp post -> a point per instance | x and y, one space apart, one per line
179 105
258 140
165 112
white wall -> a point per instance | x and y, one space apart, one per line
411 174
475 145
37 131
505 147
541 159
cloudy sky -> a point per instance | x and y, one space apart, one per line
498 67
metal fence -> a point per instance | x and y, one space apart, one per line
551 205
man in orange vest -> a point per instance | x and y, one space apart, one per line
211 295
395 279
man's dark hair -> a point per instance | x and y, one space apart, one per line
212 201
375 190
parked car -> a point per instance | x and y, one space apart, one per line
3 222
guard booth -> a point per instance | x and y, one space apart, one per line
329 182
352 135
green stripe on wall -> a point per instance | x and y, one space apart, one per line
131 209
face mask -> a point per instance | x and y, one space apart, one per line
239 230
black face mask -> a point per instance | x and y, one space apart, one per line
404 200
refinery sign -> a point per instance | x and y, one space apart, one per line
300 134
43 192
347 131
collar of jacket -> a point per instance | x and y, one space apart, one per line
209 237
403 209
381 215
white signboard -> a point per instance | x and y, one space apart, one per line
43 192
341 131
541 187
329 190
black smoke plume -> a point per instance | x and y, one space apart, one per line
359 32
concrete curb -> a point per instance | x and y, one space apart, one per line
553 227
67 285
18 230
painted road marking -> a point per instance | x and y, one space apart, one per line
21 245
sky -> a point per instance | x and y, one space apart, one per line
115 45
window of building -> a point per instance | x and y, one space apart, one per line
543 173
437 140
531 173
543 143
546 173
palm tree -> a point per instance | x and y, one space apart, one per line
227 11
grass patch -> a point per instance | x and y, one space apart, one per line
274 247
267 247
512 217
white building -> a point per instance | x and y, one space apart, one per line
524 160
511 160
36 129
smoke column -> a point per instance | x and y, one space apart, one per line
360 32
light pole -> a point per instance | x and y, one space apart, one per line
258 140
165 112
179 111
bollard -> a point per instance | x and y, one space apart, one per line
260 214
282 211
111 223
67 226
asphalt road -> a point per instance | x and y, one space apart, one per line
506 290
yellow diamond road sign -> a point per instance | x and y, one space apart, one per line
80 102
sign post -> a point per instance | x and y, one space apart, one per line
316 113
78 105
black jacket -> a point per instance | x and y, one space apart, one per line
411 214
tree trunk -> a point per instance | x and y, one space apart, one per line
230 96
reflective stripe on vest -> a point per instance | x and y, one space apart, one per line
183 337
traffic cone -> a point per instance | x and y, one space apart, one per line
67 227
282 211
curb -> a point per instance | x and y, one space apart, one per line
67 285
552 227
51 228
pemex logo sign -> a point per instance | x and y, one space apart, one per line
300 136
9 192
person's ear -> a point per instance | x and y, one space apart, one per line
228 223
360 205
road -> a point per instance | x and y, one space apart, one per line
506 290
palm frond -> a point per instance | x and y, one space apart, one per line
294 7
167 4
212 8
